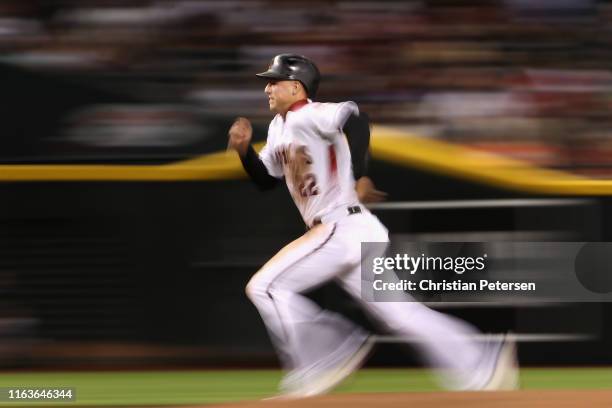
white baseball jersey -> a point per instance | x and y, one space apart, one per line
309 149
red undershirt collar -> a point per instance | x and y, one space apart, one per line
298 105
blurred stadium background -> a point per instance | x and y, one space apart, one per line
111 258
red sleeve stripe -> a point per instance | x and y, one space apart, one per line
333 165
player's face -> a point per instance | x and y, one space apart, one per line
281 94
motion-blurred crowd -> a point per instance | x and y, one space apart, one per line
531 79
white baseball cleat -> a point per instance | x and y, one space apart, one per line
505 376
329 379
334 377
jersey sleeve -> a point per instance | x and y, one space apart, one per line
334 116
270 161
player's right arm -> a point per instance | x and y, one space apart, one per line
240 135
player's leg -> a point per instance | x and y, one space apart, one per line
311 339
445 342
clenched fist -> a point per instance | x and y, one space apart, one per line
240 135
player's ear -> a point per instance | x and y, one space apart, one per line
299 87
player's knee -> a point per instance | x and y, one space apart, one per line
251 289
256 288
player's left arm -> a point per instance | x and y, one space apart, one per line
357 131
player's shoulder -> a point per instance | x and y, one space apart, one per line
330 105
332 108
276 121
275 127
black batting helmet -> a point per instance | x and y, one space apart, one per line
296 68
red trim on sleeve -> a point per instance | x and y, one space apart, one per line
333 164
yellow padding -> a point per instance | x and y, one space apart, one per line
387 144
460 162
213 166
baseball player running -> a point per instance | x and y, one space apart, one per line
320 150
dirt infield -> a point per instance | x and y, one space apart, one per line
531 399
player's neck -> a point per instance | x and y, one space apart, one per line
295 106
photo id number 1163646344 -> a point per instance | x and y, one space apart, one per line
16 394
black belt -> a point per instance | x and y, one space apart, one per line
349 211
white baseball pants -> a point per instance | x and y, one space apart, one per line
309 339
